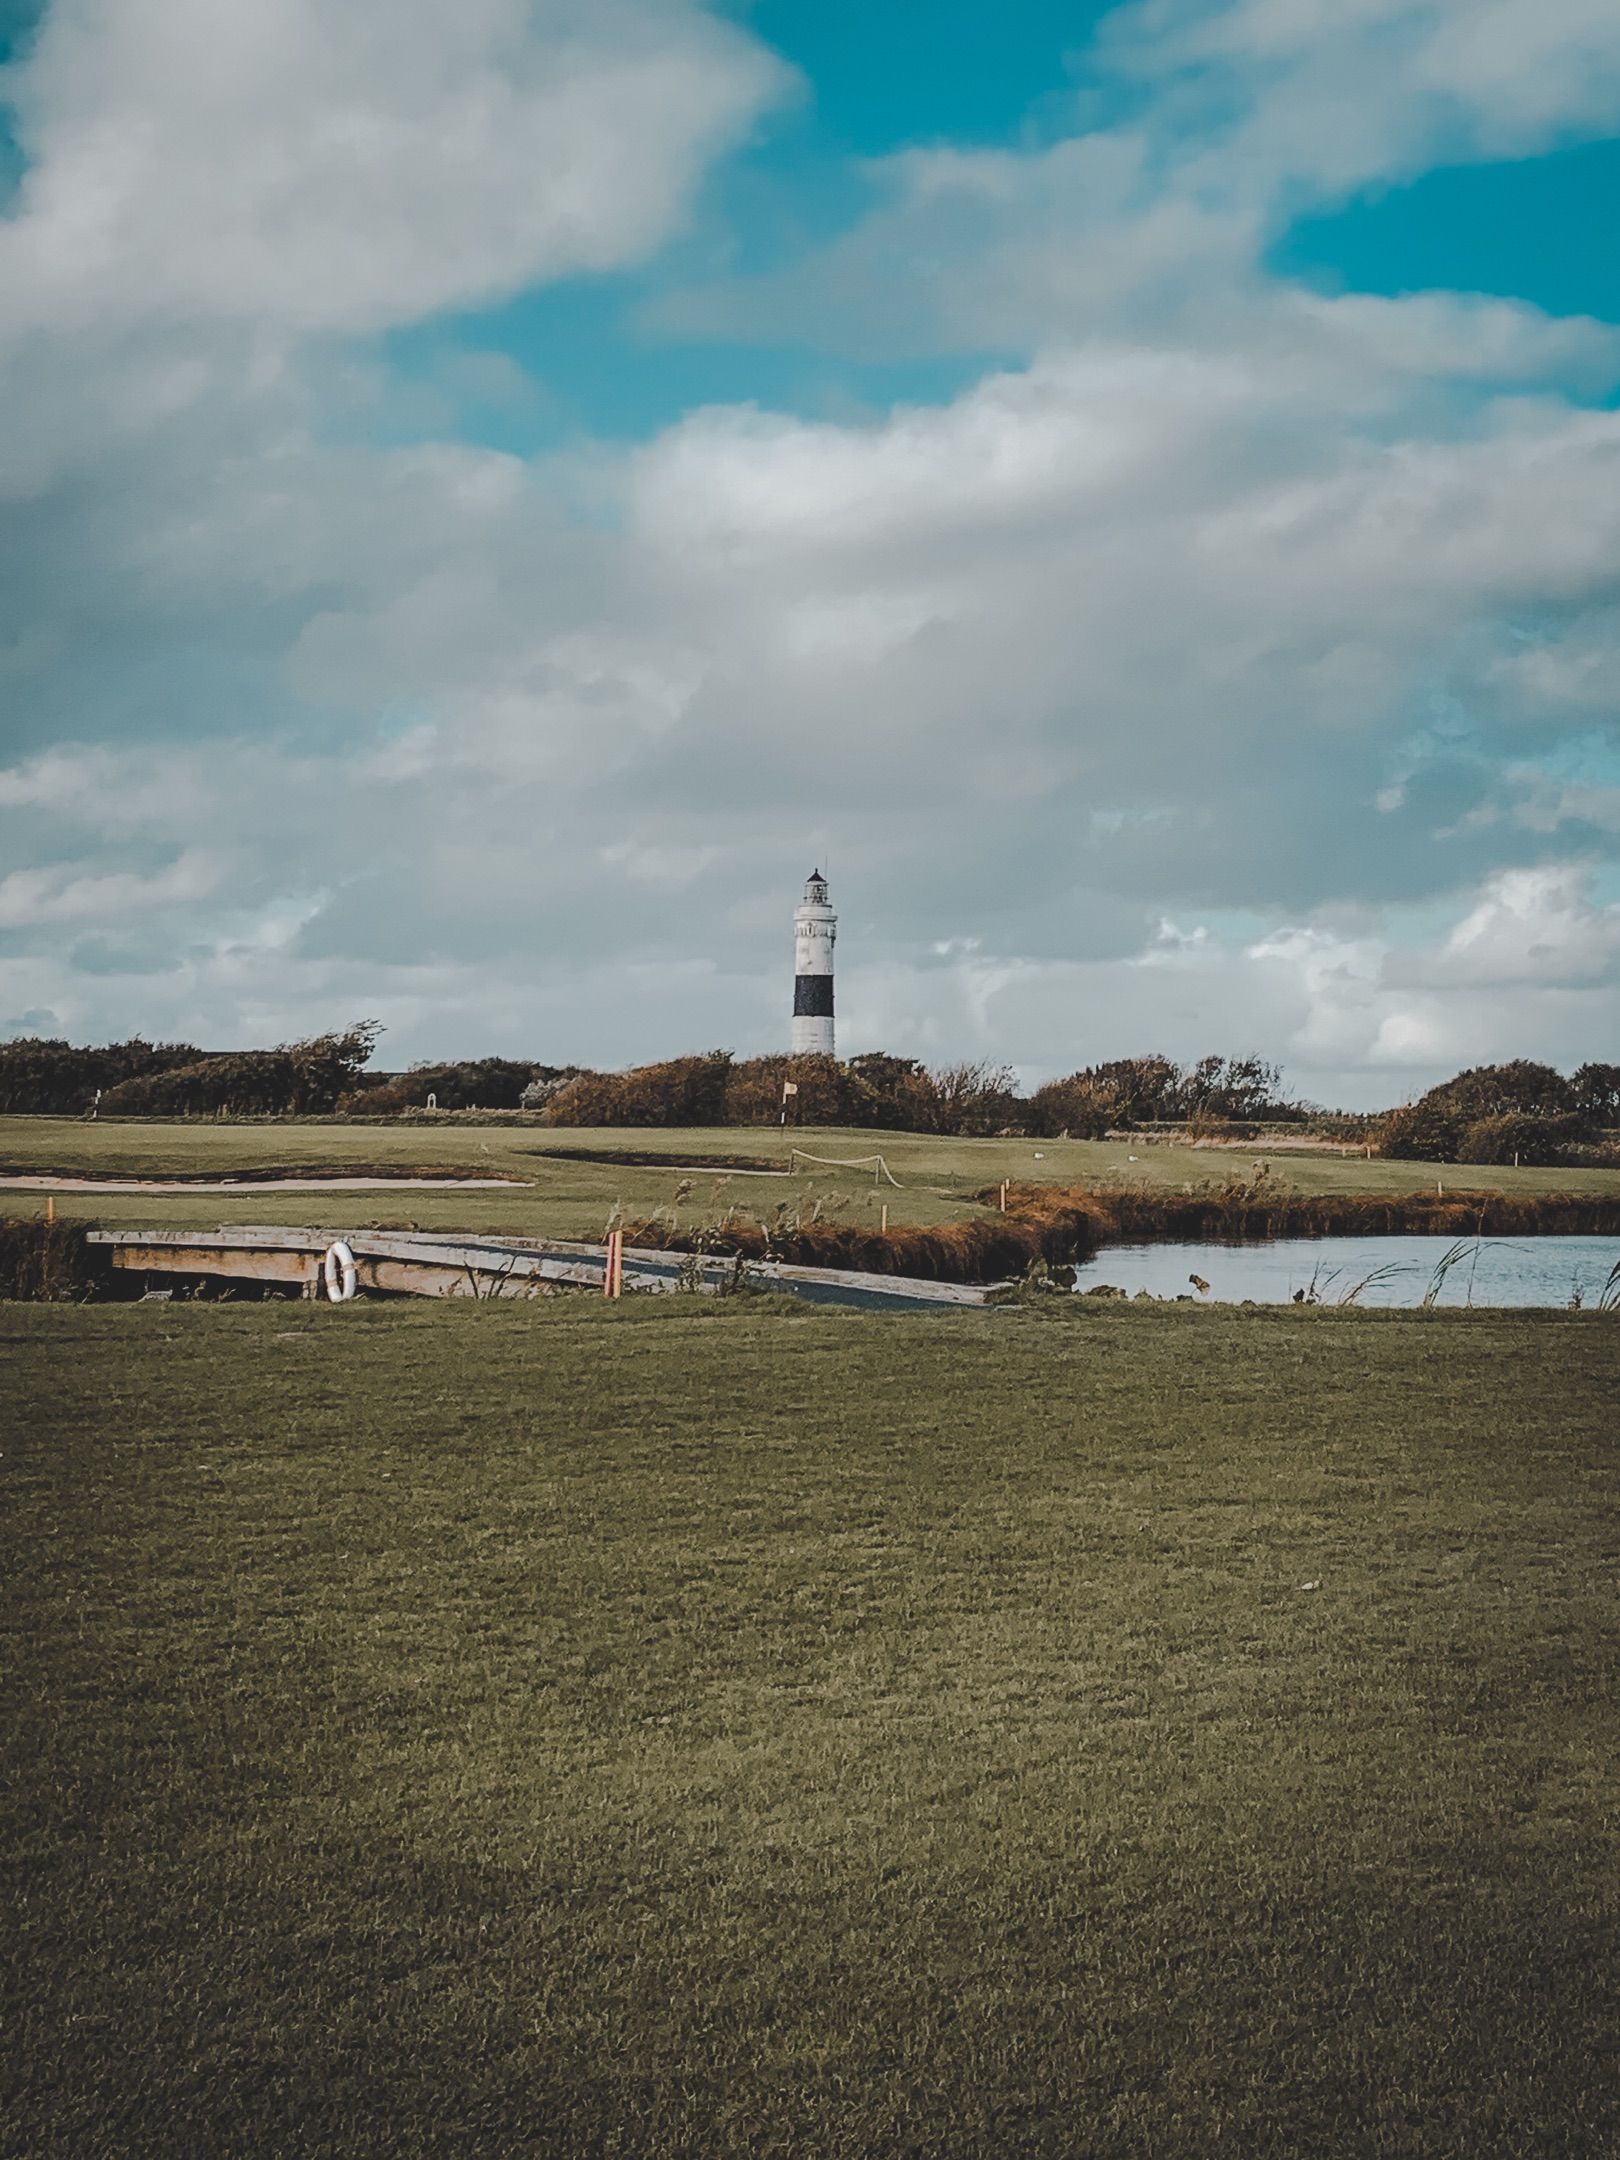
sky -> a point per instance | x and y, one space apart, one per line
490 496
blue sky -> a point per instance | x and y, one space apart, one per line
487 494
1531 229
871 82
877 82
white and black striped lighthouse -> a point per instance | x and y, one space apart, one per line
815 928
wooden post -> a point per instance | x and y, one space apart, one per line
50 1207
613 1268
1004 1196
885 1218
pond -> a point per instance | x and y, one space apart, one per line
1371 1270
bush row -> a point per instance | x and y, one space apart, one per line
1522 1112
141 1079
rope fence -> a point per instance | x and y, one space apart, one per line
875 1163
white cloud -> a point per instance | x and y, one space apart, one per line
1335 92
1183 590
110 792
1241 115
302 166
1535 926
1279 618
69 893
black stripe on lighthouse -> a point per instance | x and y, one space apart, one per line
812 997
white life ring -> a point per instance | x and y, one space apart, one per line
339 1271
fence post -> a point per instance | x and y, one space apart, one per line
613 1269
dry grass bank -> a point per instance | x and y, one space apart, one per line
1071 1223
1246 1213
981 1248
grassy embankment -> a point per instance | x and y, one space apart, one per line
700 1730
567 1194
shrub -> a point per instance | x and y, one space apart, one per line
682 1091
1153 1090
294 1080
1490 1113
1239 1089
1082 1106
1520 1138
1424 1131
48 1077
975 1100
895 1093
470 1084
753 1094
1521 1087
1596 1089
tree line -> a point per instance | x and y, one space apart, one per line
326 1075
323 1075
1521 1112
1517 1112
904 1095
142 1079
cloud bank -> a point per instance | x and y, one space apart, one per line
1232 669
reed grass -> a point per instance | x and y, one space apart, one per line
45 1261
1352 1292
1239 1212
1451 1258
1046 1227
1060 1224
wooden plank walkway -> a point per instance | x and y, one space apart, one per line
421 1264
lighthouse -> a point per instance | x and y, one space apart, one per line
815 927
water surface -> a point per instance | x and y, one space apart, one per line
1367 1270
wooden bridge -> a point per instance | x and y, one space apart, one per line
420 1264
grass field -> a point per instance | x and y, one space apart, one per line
692 1728
565 1195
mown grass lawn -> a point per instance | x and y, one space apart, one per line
717 1731
564 1193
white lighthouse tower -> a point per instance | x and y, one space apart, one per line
815 929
